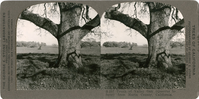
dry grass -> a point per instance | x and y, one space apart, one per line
105 71
137 77
33 73
137 50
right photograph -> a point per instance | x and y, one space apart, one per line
143 47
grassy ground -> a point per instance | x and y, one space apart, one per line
138 50
54 50
124 71
33 72
115 68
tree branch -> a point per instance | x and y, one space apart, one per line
65 6
176 27
90 25
133 23
67 31
154 6
41 22
85 29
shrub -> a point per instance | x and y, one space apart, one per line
30 44
118 44
85 44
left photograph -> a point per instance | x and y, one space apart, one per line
58 47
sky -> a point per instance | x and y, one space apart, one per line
27 31
110 30
115 31
30 32
119 32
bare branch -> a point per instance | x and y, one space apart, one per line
135 11
154 6
45 11
118 6
90 25
133 23
85 29
172 14
41 22
177 17
176 27
69 30
87 11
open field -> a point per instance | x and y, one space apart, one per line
124 71
138 50
115 68
97 51
54 50
33 73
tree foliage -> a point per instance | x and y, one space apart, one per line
30 44
177 44
86 44
119 44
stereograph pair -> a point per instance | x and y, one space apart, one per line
147 46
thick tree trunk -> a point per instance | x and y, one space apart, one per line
69 50
159 41
158 32
158 51
69 37
68 32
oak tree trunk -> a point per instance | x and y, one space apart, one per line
158 51
69 37
159 41
69 50
68 32
158 32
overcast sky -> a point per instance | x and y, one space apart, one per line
111 30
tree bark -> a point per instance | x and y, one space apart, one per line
68 33
158 51
39 21
159 40
69 50
69 37
158 33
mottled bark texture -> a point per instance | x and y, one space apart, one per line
158 32
68 32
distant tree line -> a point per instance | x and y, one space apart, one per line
177 44
89 44
54 45
119 44
30 44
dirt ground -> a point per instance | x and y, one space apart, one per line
125 71
108 71
33 72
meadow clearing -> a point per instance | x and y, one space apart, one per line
96 50
104 68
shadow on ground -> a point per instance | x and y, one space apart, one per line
108 71
33 72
